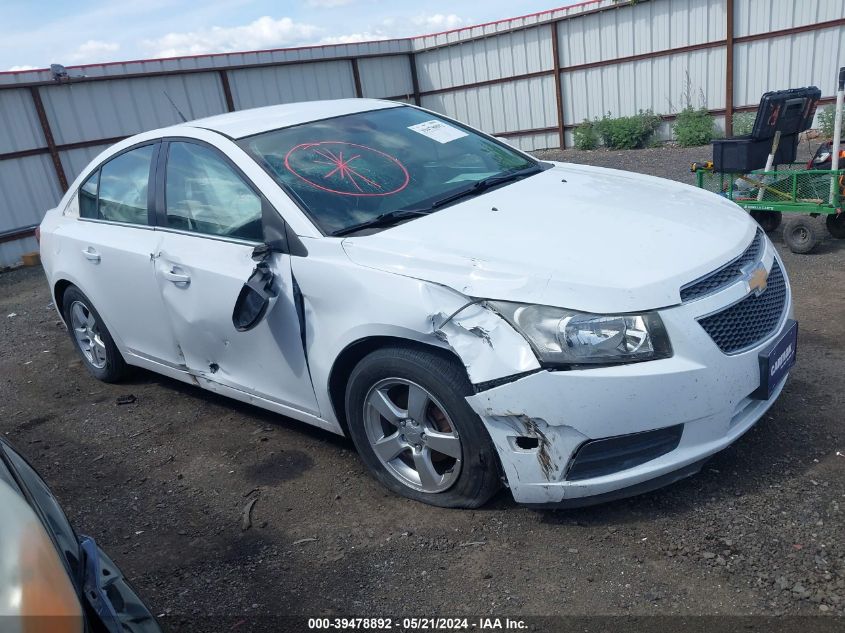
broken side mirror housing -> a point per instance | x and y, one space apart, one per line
261 289
256 295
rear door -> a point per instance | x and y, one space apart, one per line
108 253
210 219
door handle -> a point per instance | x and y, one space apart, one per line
176 277
91 254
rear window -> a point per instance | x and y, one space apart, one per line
118 191
352 168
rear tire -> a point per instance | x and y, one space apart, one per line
801 234
768 220
91 338
409 405
836 225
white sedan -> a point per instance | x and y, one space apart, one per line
470 316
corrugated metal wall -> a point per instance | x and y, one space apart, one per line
502 77
808 58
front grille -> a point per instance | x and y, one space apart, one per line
750 320
726 275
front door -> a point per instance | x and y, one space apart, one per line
213 222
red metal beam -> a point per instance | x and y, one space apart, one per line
633 58
356 78
729 67
805 28
17 234
536 130
415 81
488 82
558 94
48 136
227 91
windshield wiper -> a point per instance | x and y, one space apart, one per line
480 186
385 219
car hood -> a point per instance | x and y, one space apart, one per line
585 238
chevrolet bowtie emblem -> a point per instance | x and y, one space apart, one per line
757 279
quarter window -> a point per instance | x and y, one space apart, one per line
204 194
88 196
123 187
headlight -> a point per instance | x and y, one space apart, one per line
566 337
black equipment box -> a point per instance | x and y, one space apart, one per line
789 112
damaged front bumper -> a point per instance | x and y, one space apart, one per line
663 418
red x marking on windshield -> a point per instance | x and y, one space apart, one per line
342 168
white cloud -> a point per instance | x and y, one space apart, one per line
93 51
265 32
401 27
327 4
354 37
22 67
440 21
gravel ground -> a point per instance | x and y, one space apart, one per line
162 484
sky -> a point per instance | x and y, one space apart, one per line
35 34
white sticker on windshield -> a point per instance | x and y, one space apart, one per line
437 131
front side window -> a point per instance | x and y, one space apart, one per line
351 169
124 183
204 194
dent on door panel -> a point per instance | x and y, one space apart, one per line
266 361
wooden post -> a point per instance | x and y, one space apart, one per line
729 68
48 136
558 96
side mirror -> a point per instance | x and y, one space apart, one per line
260 291
256 295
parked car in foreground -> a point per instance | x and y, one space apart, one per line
50 578
467 314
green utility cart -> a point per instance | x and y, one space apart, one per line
760 174
803 194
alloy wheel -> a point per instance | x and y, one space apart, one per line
412 435
87 333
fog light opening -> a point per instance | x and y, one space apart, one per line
527 443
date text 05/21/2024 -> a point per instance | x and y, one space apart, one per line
417 624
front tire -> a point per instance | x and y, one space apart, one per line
836 225
91 338
414 430
768 220
801 234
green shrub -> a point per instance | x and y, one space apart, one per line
693 127
628 132
827 117
585 136
743 123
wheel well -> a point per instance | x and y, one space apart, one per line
59 293
352 355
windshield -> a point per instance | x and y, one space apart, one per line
351 169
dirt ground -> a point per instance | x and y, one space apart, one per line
162 484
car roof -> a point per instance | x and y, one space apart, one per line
256 120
